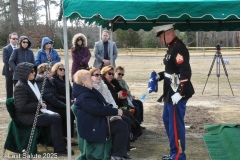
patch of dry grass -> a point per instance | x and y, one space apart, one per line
153 143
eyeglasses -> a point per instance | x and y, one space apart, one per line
61 69
79 39
109 73
14 38
121 74
97 75
33 71
49 43
24 42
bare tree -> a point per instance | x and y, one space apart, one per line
14 15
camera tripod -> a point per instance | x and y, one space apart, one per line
219 59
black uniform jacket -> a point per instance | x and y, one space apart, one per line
177 61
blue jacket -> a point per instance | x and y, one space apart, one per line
41 56
91 113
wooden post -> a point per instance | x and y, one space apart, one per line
131 53
203 52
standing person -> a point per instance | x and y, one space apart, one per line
80 53
22 54
47 53
102 51
7 70
176 90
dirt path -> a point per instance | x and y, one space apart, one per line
202 109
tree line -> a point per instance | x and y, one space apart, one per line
26 18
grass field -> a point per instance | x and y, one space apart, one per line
206 108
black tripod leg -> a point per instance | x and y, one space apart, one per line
209 73
218 68
225 70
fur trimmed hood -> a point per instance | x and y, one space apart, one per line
79 35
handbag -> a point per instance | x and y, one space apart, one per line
114 118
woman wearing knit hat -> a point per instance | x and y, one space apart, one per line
27 97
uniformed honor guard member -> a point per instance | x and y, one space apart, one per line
177 89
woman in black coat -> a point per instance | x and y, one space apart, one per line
51 98
92 110
27 97
58 79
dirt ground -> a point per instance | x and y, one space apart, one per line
202 109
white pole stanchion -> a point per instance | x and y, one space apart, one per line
67 88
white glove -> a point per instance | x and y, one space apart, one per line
157 77
176 97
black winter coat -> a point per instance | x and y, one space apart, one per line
60 88
114 90
25 103
92 110
49 95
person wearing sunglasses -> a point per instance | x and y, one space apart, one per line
99 85
22 54
7 70
80 53
47 53
50 96
119 73
58 79
27 97
120 99
92 110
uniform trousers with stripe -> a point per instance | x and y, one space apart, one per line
175 128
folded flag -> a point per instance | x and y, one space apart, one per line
153 83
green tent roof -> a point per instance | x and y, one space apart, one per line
192 15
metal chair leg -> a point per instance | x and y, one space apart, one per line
3 154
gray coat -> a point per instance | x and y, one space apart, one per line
6 53
19 56
99 53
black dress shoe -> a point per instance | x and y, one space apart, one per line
166 157
127 157
117 158
143 127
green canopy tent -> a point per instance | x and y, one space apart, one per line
191 15
194 15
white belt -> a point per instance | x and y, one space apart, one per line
170 76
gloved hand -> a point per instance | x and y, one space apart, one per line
176 97
157 77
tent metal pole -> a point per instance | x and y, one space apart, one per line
111 45
67 87
100 33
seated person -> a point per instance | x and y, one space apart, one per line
115 88
117 94
99 85
92 110
51 98
27 97
58 79
119 73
